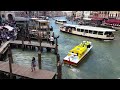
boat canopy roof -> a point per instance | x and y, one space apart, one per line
21 19
9 27
43 21
87 18
70 25
34 18
61 20
90 28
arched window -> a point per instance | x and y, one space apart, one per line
10 17
3 16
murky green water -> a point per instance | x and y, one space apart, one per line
102 62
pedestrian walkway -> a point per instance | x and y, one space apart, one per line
25 72
33 43
4 47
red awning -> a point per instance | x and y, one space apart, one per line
113 21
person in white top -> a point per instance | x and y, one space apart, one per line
52 40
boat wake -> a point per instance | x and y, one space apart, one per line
107 40
74 69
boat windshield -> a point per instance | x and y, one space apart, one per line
109 34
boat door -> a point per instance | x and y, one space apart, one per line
84 33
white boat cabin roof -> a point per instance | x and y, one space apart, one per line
87 18
9 27
61 20
43 21
90 28
34 18
21 19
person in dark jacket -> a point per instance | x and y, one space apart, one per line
33 64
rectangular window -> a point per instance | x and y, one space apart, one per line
86 31
94 32
82 30
90 31
73 28
43 24
100 33
78 30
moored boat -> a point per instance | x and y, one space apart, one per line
60 21
78 53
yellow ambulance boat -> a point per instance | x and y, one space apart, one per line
77 53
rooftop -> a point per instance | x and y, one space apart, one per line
21 19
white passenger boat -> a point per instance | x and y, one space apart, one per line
61 21
89 31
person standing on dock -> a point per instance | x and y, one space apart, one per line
33 64
52 40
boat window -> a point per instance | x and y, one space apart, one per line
94 32
78 30
90 31
74 29
82 30
64 21
86 31
77 54
43 23
109 34
106 33
100 33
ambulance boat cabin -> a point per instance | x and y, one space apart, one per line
89 31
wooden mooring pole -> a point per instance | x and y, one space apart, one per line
56 47
39 60
53 34
39 40
22 43
59 67
39 53
59 70
58 57
10 62
10 52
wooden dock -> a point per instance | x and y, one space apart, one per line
25 72
33 43
4 47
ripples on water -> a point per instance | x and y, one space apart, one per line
102 62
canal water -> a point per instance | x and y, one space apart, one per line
102 62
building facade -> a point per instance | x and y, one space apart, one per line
105 14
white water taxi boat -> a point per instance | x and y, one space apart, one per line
89 31
60 21
78 53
